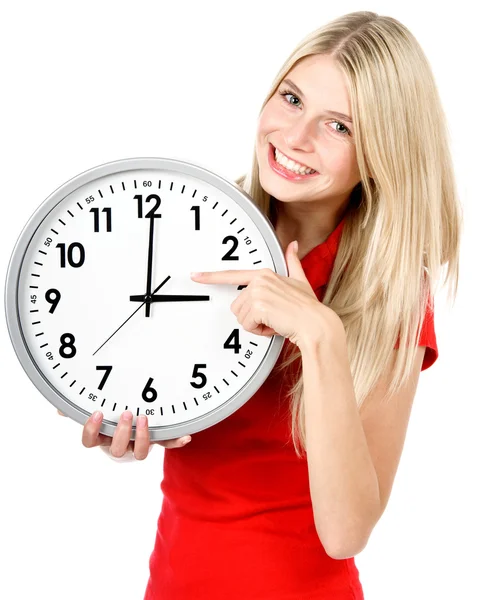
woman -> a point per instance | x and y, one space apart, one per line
276 500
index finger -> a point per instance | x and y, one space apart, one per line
231 276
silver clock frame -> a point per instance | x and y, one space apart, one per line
29 365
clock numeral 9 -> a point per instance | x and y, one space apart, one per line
52 296
69 253
151 213
96 219
67 343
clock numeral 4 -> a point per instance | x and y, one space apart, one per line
234 336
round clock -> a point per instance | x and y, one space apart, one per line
101 309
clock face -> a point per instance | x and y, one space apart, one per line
77 288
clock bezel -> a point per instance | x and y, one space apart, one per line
35 373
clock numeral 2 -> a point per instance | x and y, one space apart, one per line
228 255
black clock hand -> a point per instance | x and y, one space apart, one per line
169 298
149 266
155 290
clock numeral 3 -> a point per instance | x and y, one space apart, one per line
69 253
151 213
67 343
228 255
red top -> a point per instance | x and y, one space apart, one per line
237 520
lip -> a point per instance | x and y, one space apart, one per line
280 170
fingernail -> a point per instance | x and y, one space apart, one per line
97 416
141 421
127 415
195 274
186 440
295 246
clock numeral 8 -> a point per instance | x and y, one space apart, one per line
67 343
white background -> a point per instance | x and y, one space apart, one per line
86 83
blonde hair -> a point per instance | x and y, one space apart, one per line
402 223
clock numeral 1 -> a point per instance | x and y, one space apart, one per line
69 253
151 213
196 210
96 219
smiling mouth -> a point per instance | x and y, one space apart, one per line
284 171
292 159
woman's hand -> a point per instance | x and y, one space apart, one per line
272 304
121 443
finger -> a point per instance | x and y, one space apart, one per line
60 413
175 443
121 436
91 431
142 438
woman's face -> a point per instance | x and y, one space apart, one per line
300 125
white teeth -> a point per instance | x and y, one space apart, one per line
292 165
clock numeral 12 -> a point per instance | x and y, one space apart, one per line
151 213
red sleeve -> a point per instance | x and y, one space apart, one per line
427 338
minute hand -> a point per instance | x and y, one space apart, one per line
170 298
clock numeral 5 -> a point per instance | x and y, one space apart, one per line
151 213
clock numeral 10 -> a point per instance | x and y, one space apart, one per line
69 254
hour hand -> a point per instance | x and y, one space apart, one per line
169 298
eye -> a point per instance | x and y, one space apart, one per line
290 93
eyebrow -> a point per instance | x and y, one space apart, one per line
331 112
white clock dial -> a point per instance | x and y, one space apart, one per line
78 281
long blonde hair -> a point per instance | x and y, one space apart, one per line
402 223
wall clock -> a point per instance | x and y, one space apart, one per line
101 309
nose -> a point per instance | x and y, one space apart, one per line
300 135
